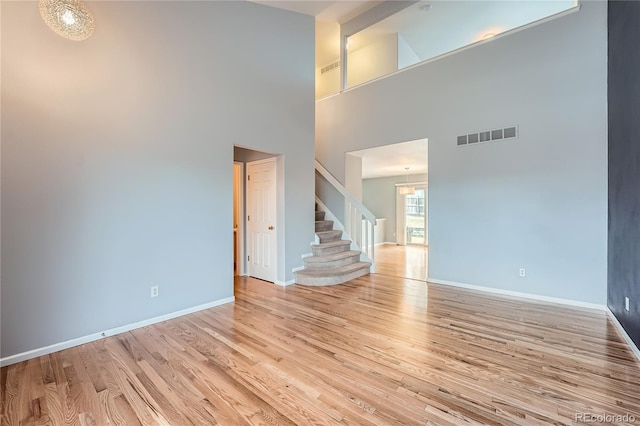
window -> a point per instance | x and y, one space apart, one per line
425 30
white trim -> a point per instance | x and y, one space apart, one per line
284 283
531 296
34 353
624 334
240 243
328 215
519 294
294 270
343 191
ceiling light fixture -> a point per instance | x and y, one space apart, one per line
70 19
407 189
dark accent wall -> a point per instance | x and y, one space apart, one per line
624 164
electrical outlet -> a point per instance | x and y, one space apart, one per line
154 291
523 272
626 303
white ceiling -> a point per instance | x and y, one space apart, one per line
324 10
391 160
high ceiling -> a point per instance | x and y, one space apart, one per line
329 15
421 27
324 11
391 160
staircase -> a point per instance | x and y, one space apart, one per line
333 261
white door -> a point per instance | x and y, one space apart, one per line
261 219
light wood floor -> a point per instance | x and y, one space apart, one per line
408 261
377 350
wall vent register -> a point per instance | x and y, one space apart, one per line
330 67
488 136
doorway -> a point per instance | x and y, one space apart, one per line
258 253
383 171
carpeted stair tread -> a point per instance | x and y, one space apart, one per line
329 244
327 236
335 271
332 276
324 225
331 257
333 262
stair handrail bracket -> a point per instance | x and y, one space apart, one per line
359 221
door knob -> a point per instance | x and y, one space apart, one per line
271 228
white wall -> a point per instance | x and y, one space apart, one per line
539 201
353 175
376 58
406 54
328 83
117 158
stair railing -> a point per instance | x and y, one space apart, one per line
359 222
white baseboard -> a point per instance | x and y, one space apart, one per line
519 294
570 302
284 283
13 359
624 334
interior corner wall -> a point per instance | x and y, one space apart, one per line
624 165
406 55
538 201
117 158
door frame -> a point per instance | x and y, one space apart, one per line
239 200
401 226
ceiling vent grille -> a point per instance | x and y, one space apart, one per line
330 67
488 136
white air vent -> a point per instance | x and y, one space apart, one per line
330 67
488 136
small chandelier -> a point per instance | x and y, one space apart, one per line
406 189
71 19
